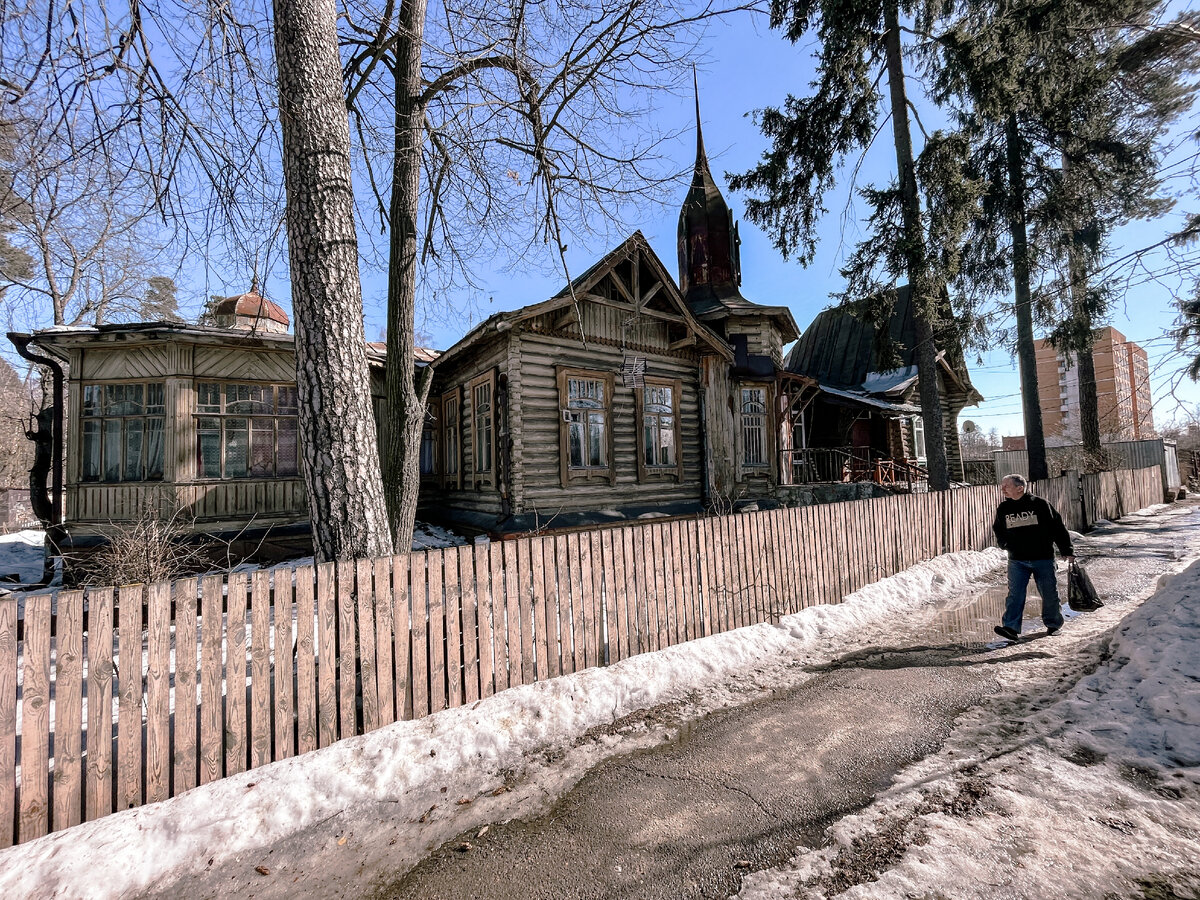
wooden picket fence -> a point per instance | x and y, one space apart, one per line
120 697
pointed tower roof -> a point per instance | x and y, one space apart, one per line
710 268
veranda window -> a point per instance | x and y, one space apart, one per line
246 430
754 427
123 431
918 427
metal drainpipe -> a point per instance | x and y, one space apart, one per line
54 532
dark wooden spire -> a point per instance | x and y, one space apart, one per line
709 264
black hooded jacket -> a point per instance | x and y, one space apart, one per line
1029 528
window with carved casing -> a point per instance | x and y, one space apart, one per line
659 455
754 430
246 430
451 439
483 430
123 426
585 446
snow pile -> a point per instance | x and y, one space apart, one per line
924 583
21 555
1144 707
410 777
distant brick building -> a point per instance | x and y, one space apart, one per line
1122 390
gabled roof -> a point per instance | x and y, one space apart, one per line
845 352
668 298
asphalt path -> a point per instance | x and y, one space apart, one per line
737 792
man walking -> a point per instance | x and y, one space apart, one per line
1028 527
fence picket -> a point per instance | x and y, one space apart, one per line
540 572
285 665
419 612
34 810
236 712
99 788
402 643
212 731
470 624
557 588
260 668
452 609
512 616
589 603
129 698
627 614
545 607
68 709
364 643
327 693
306 661
385 618
579 623
184 756
8 721
346 651
435 560
487 562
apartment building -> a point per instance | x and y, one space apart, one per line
1122 390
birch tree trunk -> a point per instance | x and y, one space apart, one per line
1035 438
407 389
341 471
923 305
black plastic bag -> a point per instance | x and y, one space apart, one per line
1081 594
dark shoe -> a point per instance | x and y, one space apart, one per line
1053 630
1007 633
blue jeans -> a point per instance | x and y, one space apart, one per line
1042 570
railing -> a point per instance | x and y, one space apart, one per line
815 465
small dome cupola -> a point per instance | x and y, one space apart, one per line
709 257
250 311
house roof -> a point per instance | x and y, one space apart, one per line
842 351
56 340
251 304
580 286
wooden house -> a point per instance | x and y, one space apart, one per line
864 420
197 424
625 394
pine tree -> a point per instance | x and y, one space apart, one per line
1065 105
860 43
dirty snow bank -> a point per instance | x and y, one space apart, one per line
407 788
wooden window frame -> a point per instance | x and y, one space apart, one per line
764 467
224 417
124 419
647 472
591 474
451 424
483 478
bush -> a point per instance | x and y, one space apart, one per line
149 549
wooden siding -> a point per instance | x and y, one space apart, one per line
236 364
268 501
541 422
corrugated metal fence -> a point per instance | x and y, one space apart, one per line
116 698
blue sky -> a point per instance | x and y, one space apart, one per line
747 66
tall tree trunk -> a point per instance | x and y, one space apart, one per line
1089 404
1035 439
341 471
407 388
924 301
